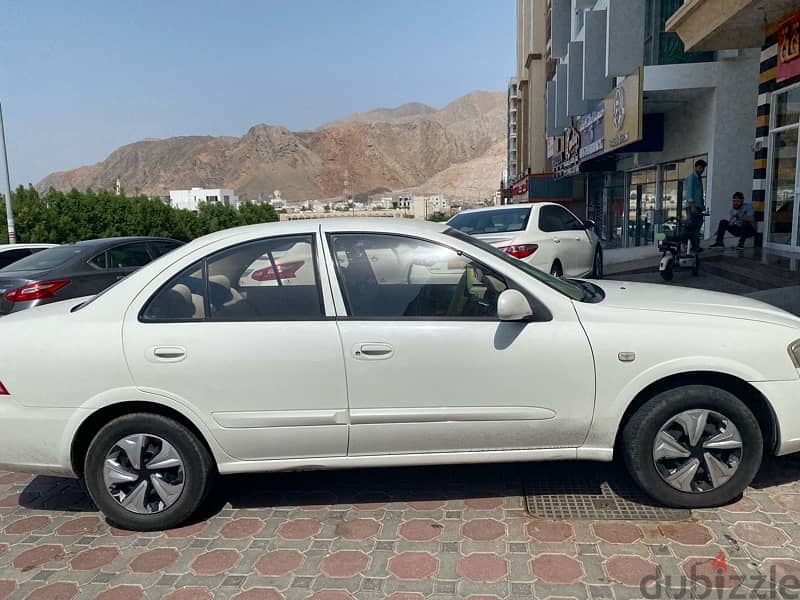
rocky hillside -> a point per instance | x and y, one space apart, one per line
458 148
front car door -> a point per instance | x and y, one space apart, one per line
241 335
429 366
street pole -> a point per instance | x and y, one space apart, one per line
12 236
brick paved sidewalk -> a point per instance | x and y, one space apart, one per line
451 532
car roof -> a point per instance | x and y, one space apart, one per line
113 241
24 246
507 207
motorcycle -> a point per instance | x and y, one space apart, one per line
674 247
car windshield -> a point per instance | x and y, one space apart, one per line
46 259
564 286
492 221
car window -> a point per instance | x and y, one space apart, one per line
556 218
391 276
11 256
274 279
100 261
161 247
46 259
128 256
492 221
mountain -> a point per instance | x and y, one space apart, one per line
458 148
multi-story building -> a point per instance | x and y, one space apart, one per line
773 26
512 166
192 199
623 112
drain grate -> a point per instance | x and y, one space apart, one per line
592 491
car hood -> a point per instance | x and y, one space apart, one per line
664 298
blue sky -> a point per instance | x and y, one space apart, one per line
78 79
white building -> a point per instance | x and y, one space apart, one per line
630 112
193 198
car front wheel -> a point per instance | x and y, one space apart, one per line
147 472
694 446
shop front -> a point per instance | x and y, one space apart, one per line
781 206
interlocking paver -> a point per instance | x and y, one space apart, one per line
425 534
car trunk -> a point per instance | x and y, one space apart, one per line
499 239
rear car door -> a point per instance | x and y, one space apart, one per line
569 240
241 336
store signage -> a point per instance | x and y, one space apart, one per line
592 134
567 162
789 48
520 188
622 123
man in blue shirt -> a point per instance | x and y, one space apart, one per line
739 224
695 204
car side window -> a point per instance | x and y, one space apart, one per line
390 276
160 248
556 218
12 256
265 280
100 261
128 256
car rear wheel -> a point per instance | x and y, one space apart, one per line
147 472
694 446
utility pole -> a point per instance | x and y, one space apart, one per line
12 235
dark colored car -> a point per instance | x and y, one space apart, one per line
75 270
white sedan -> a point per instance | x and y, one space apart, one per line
545 235
404 343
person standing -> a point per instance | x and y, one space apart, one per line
695 204
739 224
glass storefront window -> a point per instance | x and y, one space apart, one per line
641 207
784 177
787 108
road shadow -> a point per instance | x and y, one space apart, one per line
365 487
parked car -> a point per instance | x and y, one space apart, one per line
74 270
408 343
10 253
545 235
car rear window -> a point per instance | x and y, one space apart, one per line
492 221
46 259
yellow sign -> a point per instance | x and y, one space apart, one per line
623 112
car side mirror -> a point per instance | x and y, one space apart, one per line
512 305
589 224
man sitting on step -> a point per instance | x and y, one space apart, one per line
739 224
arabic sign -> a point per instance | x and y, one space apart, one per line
592 134
520 188
567 162
789 48
623 107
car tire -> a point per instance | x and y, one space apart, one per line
597 264
173 477
557 270
670 479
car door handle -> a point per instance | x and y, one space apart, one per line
168 353
372 351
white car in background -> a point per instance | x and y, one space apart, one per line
397 342
11 253
544 234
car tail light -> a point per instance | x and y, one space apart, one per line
3 390
37 290
521 250
283 271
